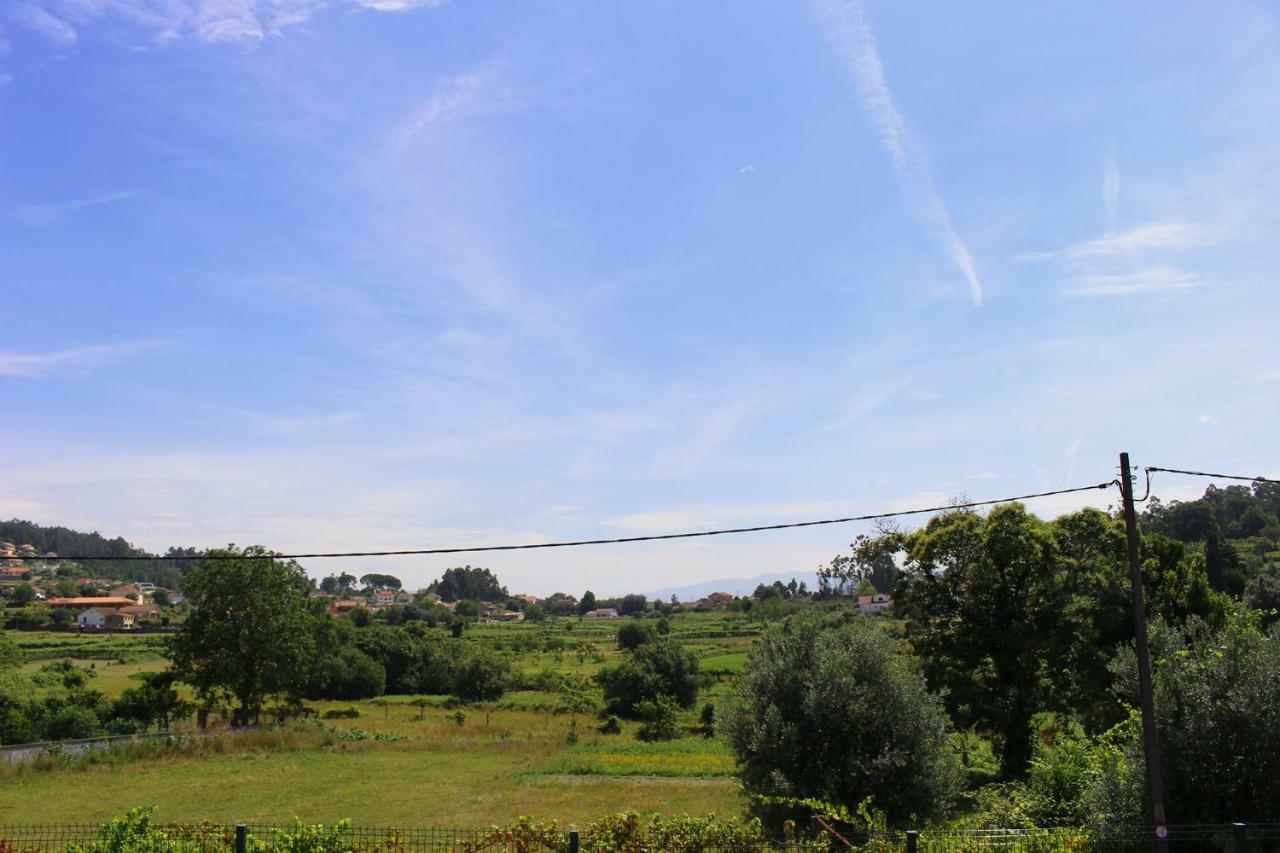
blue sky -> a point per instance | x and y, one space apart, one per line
387 274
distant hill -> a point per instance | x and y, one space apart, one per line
736 586
67 542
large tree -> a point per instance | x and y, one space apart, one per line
869 563
1013 615
467 582
374 580
985 601
250 634
840 713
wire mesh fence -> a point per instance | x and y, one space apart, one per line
122 836
1191 838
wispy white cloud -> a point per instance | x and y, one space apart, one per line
706 433
44 214
847 28
1152 237
455 99
291 425
1263 376
1208 419
1145 281
398 5
204 20
1111 191
44 22
1131 262
678 519
68 361
1072 451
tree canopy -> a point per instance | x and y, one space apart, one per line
839 714
660 667
467 582
374 580
250 633
1013 615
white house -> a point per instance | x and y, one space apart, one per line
91 618
104 617
870 604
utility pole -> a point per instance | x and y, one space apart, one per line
1150 740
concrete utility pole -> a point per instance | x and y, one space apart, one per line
1150 740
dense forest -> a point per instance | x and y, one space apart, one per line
68 542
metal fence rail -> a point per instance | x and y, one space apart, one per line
73 746
1187 838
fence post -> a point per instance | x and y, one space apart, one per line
573 841
913 840
1240 835
242 837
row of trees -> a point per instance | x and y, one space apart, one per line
254 633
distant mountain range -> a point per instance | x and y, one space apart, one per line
736 586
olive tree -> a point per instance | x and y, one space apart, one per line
840 714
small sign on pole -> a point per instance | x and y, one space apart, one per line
1162 831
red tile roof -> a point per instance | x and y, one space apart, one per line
91 601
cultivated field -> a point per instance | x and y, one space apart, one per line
402 760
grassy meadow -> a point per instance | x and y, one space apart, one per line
402 760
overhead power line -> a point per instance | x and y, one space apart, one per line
1152 468
529 546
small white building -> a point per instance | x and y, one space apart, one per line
601 613
871 604
104 617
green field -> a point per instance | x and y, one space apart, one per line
467 782
460 766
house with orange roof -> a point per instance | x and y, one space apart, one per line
91 601
340 607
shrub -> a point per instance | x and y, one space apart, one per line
707 720
840 714
633 635
480 674
316 838
133 833
342 713
611 725
1217 696
660 716
657 668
